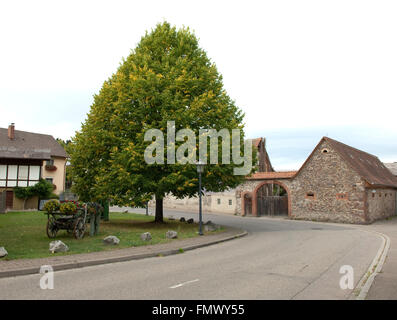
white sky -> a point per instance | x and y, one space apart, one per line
298 69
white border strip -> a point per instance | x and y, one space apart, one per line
182 284
376 266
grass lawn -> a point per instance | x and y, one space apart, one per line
23 234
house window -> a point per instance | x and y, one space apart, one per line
49 162
3 171
310 196
230 202
325 150
23 172
50 180
341 196
218 201
3 175
12 175
12 172
34 173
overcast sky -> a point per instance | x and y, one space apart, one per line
299 70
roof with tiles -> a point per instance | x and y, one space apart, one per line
272 175
368 166
29 145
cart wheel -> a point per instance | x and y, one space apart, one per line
79 228
51 228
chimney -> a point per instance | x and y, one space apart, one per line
11 131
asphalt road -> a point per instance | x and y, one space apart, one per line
279 259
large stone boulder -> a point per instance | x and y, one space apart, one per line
146 236
3 252
58 246
209 226
111 240
191 220
171 234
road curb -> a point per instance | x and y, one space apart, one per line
364 285
101 261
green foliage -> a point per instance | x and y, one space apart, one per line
51 206
68 208
43 189
24 192
168 77
53 196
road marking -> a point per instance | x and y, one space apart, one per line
182 284
364 285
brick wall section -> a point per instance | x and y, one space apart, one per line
381 204
339 192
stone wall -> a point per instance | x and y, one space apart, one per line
327 189
381 204
222 202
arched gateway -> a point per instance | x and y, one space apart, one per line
265 193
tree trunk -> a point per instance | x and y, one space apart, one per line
159 209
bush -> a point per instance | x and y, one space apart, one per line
68 208
43 189
51 206
53 196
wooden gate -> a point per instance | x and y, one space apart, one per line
9 199
272 205
247 205
2 202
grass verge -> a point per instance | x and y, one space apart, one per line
23 234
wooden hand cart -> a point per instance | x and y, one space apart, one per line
73 223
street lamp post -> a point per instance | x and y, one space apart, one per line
200 168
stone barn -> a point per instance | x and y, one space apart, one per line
336 183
